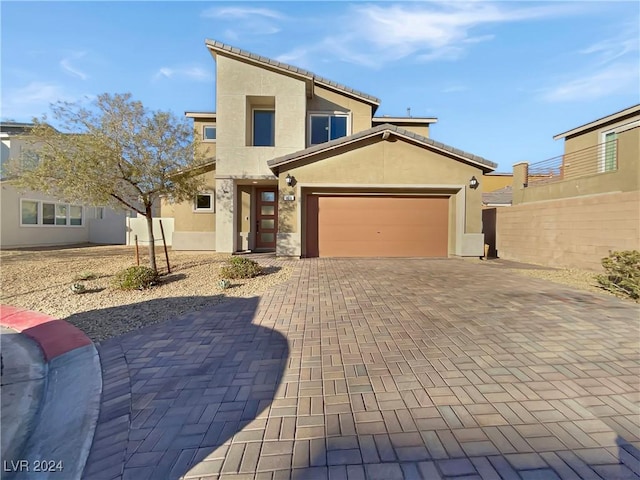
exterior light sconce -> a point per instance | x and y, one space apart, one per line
289 179
474 183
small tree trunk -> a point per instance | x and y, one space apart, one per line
152 241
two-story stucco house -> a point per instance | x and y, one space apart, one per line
303 167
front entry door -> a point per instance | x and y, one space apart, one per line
267 217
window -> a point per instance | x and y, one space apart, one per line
75 215
209 133
324 127
264 122
48 213
609 159
33 212
29 212
203 202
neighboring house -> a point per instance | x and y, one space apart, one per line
495 181
302 167
29 219
498 198
573 209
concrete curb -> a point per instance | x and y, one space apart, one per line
66 420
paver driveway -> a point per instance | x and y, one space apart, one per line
379 369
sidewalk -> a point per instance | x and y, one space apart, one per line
51 387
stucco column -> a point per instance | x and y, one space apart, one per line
226 227
520 181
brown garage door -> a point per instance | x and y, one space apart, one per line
377 226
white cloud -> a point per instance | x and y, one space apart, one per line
65 63
34 100
241 12
191 73
245 21
610 49
378 34
617 78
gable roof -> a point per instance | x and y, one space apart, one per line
601 121
388 129
224 49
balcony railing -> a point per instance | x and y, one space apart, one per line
599 158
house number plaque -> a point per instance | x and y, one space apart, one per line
289 198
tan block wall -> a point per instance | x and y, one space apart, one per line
574 232
325 100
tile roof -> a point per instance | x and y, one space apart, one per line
223 47
483 162
502 196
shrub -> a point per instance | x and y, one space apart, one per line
240 267
85 276
622 273
135 278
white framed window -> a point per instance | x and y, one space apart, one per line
609 140
204 202
209 133
29 212
41 213
327 126
264 127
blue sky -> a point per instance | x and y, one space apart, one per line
501 77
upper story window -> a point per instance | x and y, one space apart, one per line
327 126
609 160
264 128
209 133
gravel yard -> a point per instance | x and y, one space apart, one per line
40 280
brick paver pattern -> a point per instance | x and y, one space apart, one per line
381 369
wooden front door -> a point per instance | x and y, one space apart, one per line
267 217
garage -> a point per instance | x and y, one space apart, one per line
377 226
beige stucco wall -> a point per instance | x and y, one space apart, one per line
387 163
626 178
208 147
235 81
491 183
12 234
186 220
593 136
572 232
325 100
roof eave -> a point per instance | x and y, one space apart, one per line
277 163
599 122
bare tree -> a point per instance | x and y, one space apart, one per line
114 152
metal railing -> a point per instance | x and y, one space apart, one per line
599 158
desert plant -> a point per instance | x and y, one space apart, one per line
224 283
135 278
622 273
84 276
240 267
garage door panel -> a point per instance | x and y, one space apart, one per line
391 226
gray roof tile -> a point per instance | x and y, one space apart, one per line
276 162
300 71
